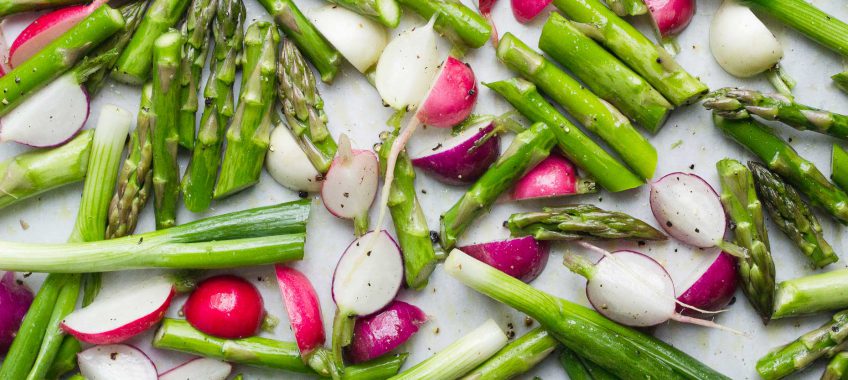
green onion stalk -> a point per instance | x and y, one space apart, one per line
825 341
802 16
578 368
837 369
386 12
517 357
461 25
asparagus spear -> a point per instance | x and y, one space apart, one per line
756 269
8 7
461 25
792 216
199 180
812 294
603 73
595 114
802 16
783 160
66 359
134 64
524 152
165 98
578 368
651 61
387 12
54 336
841 80
58 56
196 32
133 13
576 222
419 258
628 7
821 342
314 46
839 167
837 369
517 357
249 133
178 335
735 103
304 108
576 146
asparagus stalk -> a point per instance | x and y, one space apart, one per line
628 7
517 357
623 351
9 7
580 221
792 216
178 335
38 171
837 369
735 103
249 133
576 146
314 46
756 269
595 114
387 12
112 48
651 61
134 64
802 16
797 355
165 98
196 32
66 359
304 108
783 160
812 294
419 257
58 56
841 80
604 74
54 336
461 25
524 152
839 167
578 368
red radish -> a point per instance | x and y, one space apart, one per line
688 209
303 308
711 285
199 369
671 16
526 10
485 7
116 361
382 332
120 315
350 185
459 160
523 258
50 117
554 177
15 299
47 28
225 306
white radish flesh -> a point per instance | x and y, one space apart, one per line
359 39
350 185
407 66
367 278
51 116
688 209
199 369
741 43
116 361
288 165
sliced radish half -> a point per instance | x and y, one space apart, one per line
688 209
523 258
288 164
671 16
359 39
303 309
116 361
381 332
527 10
407 66
350 184
711 285
463 158
554 177
46 28
199 369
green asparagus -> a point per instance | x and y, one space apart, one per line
54 336
824 341
387 12
458 23
578 368
812 294
9 7
66 359
580 221
802 16
839 167
165 98
837 369
841 80
628 7
115 45
517 357
196 33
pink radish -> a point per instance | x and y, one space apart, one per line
199 369
459 160
350 185
526 10
523 258
47 28
15 299
382 332
554 177
671 16
712 284
123 314
225 306
303 308
116 361
485 7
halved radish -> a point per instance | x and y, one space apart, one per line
462 158
122 314
288 165
116 361
51 116
671 16
47 28
381 332
523 258
199 369
554 177
15 299
740 43
711 285
350 184
359 39
303 309
407 66
688 209
527 10
225 306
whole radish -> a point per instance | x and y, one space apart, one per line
350 184
380 333
462 158
15 299
47 28
225 306
523 258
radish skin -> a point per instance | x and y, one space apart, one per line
303 309
116 361
688 209
670 17
225 306
458 160
359 39
523 258
554 177
712 285
15 299
526 11
380 333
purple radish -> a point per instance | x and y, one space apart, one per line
199 369
523 258
116 361
554 177
711 285
50 117
527 10
350 185
15 299
459 160
688 209
380 333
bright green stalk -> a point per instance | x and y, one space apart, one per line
839 167
524 152
628 7
578 368
135 63
386 12
824 341
54 336
604 74
76 376
756 269
112 48
648 59
576 146
812 294
165 102
576 222
595 114
517 357
792 216
837 369
841 80
8 7
38 171
783 160
248 136
460 24
314 46
196 33
66 359
802 16
58 56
